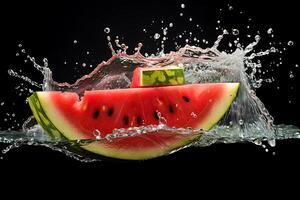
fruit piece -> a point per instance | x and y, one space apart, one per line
157 76
199 106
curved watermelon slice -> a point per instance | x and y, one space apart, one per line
199 106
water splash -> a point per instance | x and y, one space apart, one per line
247 121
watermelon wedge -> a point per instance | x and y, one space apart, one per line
157 76
199 106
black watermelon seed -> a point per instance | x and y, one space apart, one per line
96 114
171 110
186 99
126 120
110 112
156 116
139 120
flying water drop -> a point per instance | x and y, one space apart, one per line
107 30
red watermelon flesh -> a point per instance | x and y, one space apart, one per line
199 106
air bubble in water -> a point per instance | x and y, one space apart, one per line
75 41
191 19
230 7
171 25
290 43
106 30
2 103
297 66
17 54
181 14
23 51
182 5
20 45
83 64
156 36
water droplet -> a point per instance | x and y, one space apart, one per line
194 115
20 45
65 62
191 19
181 14
2 103
241 122
218 21
23 51
257 38
270 31
171 25
75 41
257 142
106 30
291 75
230 7
83 64
272 143
182 5
165 31
187 40
297 66
290 43
273 49
17 54
87 52
97 134
235 31
156 36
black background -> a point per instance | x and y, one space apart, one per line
48 29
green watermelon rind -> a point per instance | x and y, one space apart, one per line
42 118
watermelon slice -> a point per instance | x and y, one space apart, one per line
199 106
157 76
